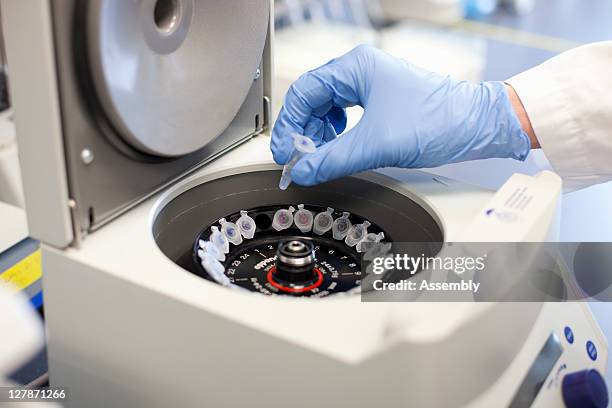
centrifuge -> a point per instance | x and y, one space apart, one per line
177 272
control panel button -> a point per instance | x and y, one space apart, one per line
569 334
585 389
591 350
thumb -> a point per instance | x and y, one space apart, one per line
347 154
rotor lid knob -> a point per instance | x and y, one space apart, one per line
295 262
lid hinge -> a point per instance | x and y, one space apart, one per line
77 231
267 110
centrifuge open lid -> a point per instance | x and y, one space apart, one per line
130 96
171 75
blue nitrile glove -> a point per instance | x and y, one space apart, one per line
412 118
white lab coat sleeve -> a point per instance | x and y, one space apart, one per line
569 102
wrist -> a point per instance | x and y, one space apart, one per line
522 116
498 130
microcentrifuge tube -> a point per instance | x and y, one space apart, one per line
215 269
219 239
283 219
246 224
210 248
341 226
301 145
323 221
231 231
369 241
369 270
378 250
356 234
212 265
303 219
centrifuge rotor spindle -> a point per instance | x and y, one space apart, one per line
295 262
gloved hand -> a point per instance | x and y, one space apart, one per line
412 118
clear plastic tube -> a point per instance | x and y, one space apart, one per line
378 250
341 226
219 239
212 265
301 145
303 219
323 221
247 225
369 241
215 269
356 234
210 248
370 276
283 219
231 231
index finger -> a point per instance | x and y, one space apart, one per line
312 95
